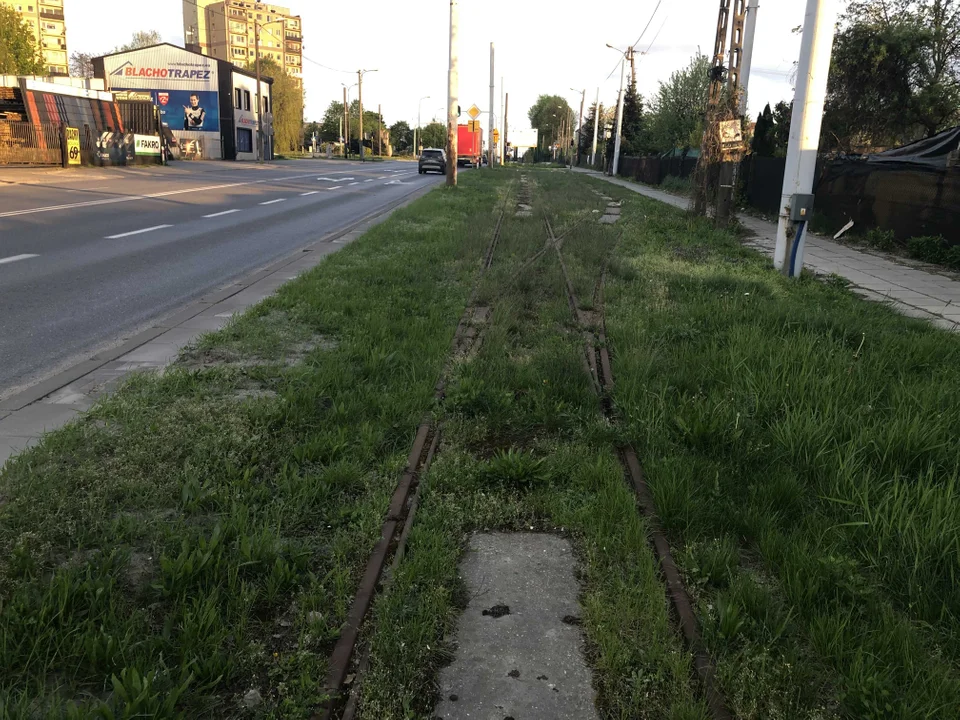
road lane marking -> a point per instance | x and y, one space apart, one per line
137 232
353 183
218 214
14 258
271 202
383 177
312 192
335 187
370 180
129 198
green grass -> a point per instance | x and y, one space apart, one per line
525 447
802 448
201 533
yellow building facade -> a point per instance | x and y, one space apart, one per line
45 18
226 30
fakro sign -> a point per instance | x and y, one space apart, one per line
146 145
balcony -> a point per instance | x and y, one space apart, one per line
294 36
293 48
51 14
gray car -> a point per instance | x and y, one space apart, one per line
432 159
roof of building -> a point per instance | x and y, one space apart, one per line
232 66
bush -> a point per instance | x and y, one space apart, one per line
881 239
672 183
929 248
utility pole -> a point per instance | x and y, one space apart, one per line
490 158
616 145
346 124
583 97
796 201
360 103
596 122
256 49
749 33
501 145
506 107
453 87
379 132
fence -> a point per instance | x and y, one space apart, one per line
910 201
23 143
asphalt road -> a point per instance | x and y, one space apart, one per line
90 256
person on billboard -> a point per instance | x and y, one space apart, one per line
193 115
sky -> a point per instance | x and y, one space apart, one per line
542 47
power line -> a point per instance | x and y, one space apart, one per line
652 15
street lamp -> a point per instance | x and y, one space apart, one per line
616 146
417 131
345 120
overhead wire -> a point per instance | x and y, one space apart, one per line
646 27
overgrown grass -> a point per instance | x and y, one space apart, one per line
802 448
526 448
200 535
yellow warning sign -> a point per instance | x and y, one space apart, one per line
474 112
73 146
496 135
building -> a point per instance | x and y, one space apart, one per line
45 17
209 105
226 30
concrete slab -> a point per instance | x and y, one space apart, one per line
153 353
11 446
519 643
206 323
37 418
179 336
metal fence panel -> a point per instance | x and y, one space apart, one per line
23 143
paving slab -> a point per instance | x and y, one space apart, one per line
35 419
519 645
10 446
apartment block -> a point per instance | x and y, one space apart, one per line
45 17
226 30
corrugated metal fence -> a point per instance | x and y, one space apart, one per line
24 143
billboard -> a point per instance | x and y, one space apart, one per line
188 109
146 145
160 66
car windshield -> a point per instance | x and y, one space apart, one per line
432 154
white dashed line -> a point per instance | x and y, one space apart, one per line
14 258
218 214
137 232
271 202
383 177
353 183
312 192
335 187
342 179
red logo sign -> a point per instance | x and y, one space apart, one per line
163 97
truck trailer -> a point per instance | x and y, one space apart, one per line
469 144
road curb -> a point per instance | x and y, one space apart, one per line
32 394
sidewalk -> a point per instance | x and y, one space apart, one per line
913 291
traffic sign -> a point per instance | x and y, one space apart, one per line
496 135
474 112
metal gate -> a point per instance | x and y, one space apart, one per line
23 143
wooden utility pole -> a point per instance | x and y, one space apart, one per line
379 132
360 104
346 124
506 107
583 97
256 49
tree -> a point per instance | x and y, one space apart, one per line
676 118
763 143
141 39
546 114
81 64
634 140
19 54
286 104
895 73
330 126
401 136
434 135
308 130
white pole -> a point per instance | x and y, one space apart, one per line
596 122
500 144
490 159
453 86
812 72
616 146
749 32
